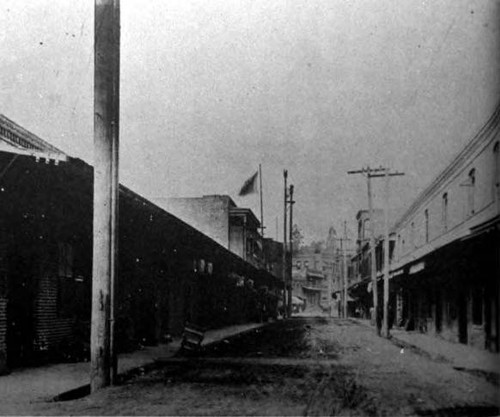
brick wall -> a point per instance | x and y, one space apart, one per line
50 328
3 334
3 302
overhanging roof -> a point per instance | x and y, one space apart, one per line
16 140
244 212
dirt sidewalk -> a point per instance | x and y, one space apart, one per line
302 366
38 384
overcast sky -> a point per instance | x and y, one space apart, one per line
210 89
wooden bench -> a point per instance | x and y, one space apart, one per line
192 338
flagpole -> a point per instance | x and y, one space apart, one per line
261 204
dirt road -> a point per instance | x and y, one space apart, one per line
306 366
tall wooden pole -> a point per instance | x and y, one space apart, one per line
344 256
371 173
261 202
373 255
291 254
385 323
342 293
387 260
285 308
106 145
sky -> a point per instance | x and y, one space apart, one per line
211 89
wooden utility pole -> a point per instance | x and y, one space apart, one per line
368 173
343 272
342 296
344 256
372 173
106 140
289 301
385 323
261 203
373 251
285 176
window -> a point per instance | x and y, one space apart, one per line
366 228
471 190
201 265
445 211
426 215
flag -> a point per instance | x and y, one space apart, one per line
249 185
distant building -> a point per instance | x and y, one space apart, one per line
365 225
218 217
273 251
360 286
314 272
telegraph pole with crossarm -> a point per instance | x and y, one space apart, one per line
370 173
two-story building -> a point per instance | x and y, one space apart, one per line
445 269
218 217
444 250
360 281
273 253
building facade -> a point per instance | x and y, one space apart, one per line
359 273
445 269
315 272
168 272
273 254
444 251
217 216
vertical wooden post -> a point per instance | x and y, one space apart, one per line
106 144
291 254
373 255
344 256
369 174
261 203
285 175
342 281
385 324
